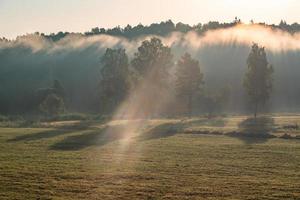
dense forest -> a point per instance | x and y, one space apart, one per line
161 69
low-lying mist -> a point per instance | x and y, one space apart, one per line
32 62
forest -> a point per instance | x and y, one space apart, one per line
196 69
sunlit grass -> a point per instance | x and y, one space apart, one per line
162 161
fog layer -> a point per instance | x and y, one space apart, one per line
32 62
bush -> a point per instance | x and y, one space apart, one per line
52 105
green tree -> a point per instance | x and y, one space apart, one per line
152 64
188 79
153 59
210 104
214 102
258 78
43 93
184 28
115 79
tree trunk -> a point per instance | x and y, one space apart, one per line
190 105
255 109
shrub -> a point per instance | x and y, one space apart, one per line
52 105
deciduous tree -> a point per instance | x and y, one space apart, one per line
115 79
258 78
189 79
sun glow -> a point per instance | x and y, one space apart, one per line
245 4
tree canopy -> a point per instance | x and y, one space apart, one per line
153 59
167 27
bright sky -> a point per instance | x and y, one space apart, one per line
27 16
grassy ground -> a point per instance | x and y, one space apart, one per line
163 159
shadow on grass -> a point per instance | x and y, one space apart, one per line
255 131
40 135
217 122
170 129
97 137
162 131
84 125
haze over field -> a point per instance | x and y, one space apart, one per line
31 62
139 99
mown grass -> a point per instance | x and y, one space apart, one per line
162 161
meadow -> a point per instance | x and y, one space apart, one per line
199 158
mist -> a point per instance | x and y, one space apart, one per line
31 62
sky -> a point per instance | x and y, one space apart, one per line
18 17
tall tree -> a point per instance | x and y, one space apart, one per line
188 79
152 63
115 79
258 78
153 58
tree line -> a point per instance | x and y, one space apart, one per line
153 71
166 27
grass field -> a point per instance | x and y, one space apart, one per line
163 159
